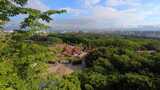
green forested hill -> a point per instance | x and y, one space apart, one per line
112 62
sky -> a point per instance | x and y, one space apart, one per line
99 14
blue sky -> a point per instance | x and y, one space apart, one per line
101 14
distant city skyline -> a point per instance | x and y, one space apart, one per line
98 14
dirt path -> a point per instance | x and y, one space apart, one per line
60 69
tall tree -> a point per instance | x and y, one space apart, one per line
10 8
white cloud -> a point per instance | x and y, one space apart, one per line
74 11
109 14
37 4
122 2
91 2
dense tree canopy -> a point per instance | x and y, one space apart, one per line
117 63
